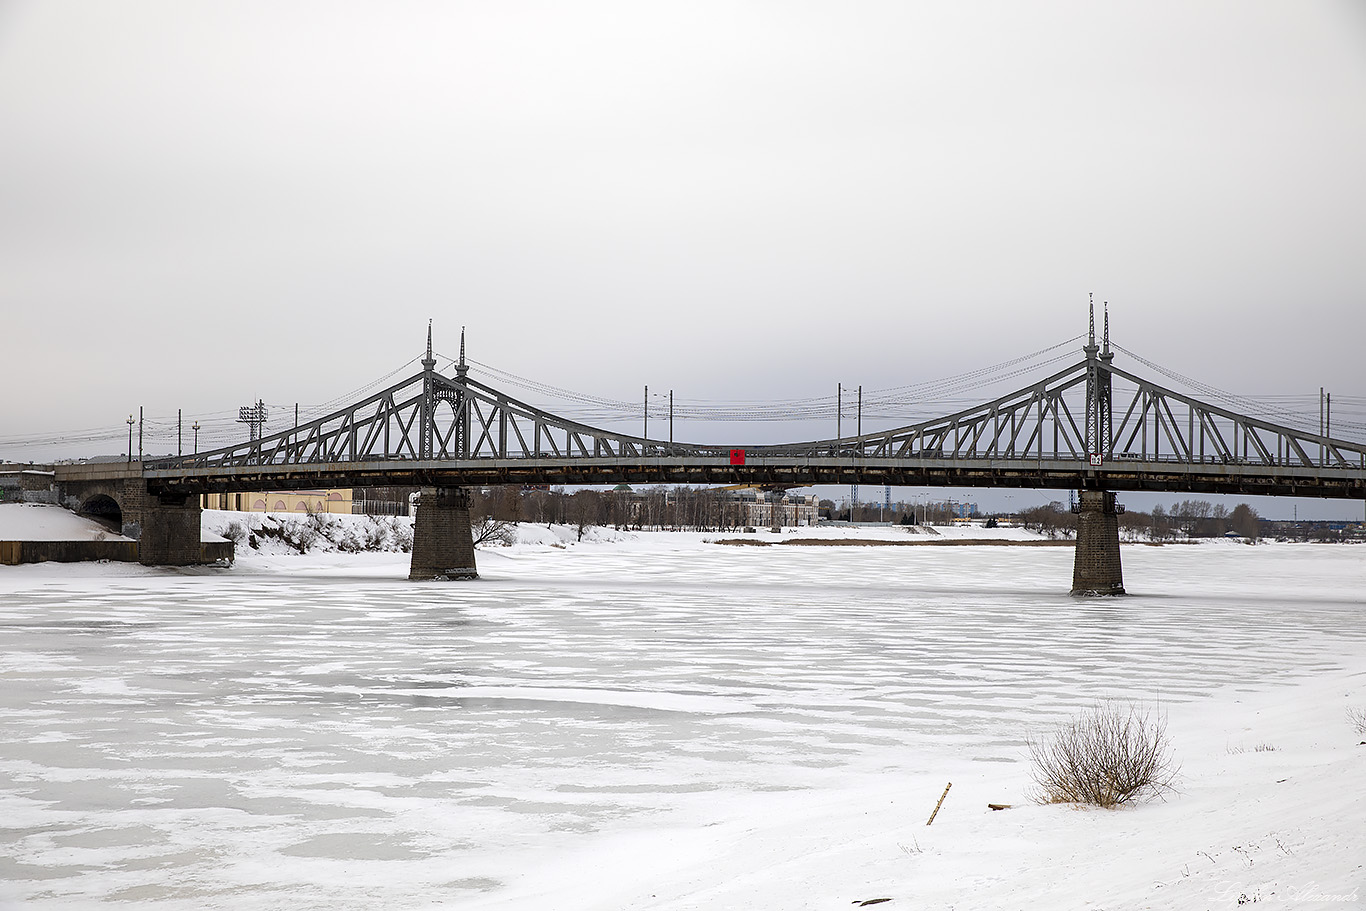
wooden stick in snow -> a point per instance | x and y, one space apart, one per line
941 802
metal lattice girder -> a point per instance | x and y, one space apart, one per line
1055 433
1210 433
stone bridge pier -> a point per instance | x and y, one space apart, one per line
1096 569
166 526
443 543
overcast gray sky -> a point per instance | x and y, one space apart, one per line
206 203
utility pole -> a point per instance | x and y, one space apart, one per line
671 420
139 434
646 433
839 410
179 429
858 431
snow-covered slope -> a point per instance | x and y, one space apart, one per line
45 522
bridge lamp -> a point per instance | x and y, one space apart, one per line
130 438
195 428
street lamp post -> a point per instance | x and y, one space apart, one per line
130 438
195 428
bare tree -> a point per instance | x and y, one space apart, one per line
1051 520
583 510
1245 521
489 530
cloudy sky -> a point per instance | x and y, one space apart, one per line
202 204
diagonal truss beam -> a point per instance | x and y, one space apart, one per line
461 424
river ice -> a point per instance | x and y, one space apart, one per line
585 721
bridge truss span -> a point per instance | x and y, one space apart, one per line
1091 425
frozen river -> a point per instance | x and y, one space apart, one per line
314 732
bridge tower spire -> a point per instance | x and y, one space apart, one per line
1091 332
428 398
1105 432
1099 411
461 406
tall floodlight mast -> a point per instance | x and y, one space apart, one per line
254 416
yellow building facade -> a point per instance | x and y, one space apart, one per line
305 501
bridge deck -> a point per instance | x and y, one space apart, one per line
1175 476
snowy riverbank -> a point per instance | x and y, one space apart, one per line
652 721
290 534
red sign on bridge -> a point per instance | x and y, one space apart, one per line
737 457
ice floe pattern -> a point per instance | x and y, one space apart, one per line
297 735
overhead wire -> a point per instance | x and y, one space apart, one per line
887 402
907 402
1255 406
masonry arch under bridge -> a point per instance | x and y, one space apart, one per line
104 509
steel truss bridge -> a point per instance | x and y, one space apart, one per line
1092 425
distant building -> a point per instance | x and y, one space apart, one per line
26 485
763 508
304 501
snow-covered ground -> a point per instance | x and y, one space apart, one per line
47 522
649 720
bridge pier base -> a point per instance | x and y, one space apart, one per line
169 533
443 544
1096 569
164 523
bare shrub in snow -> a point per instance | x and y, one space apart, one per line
346 537
374 533
1357 718
402 533
494 531
1107 756
300 534
236 533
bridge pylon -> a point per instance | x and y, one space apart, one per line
1096 568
